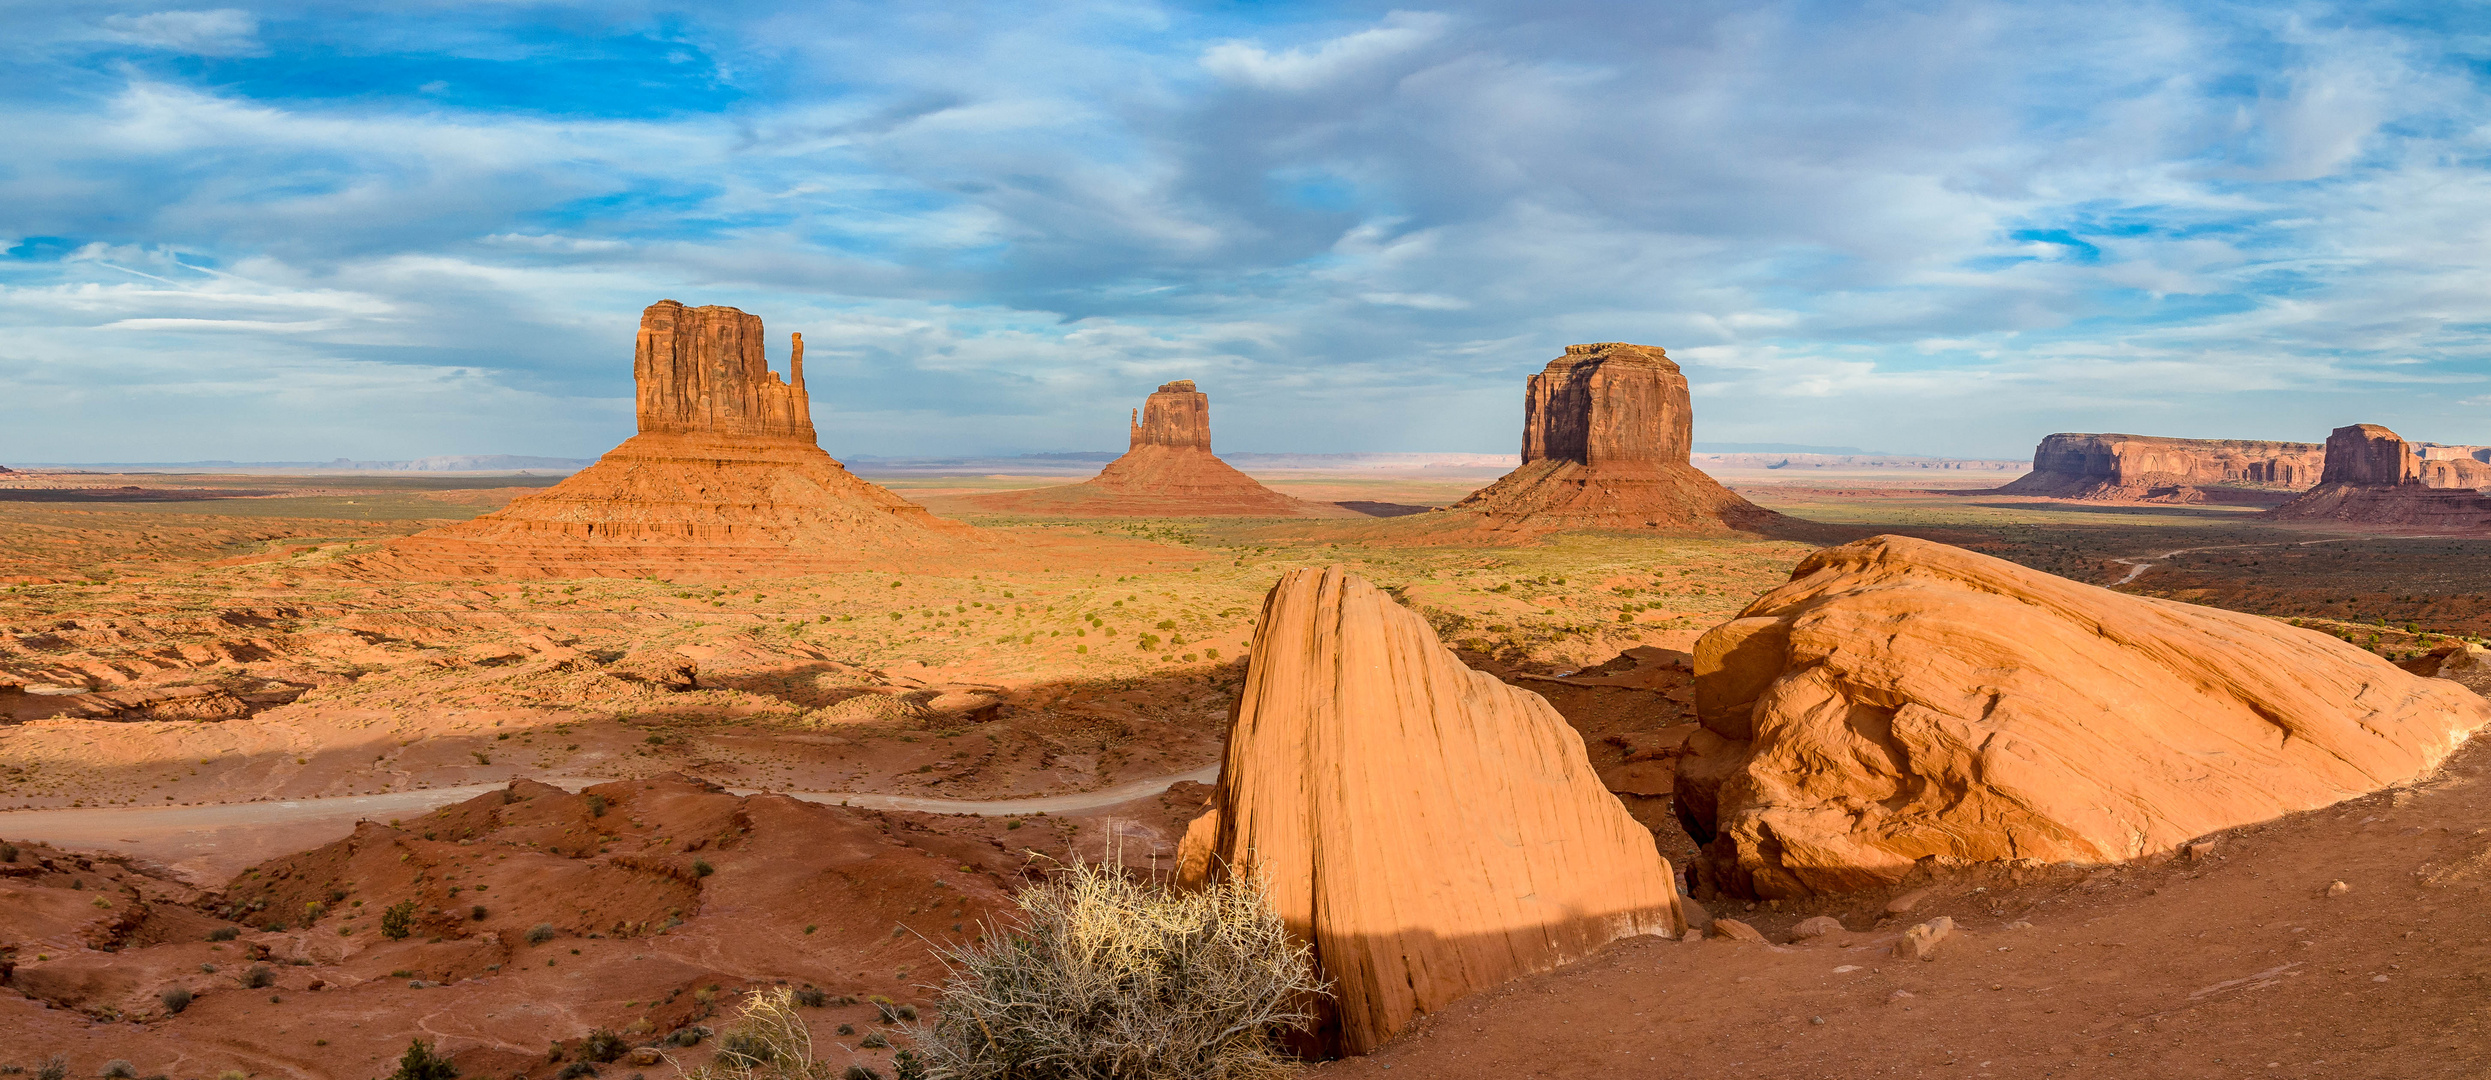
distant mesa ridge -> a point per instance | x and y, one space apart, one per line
724 479
2131 467
2375 476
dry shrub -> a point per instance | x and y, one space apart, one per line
1109 979
766 1041
866 708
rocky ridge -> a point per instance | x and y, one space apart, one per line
2126 468
2375 477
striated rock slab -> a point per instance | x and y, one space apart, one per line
1432 831
723 480
2134 467
1901 698
1607 429
1167 470
2376 477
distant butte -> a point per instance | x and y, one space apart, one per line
724 479
1607 431
2148 468
1167 470
2374 477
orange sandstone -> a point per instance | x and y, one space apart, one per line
2374 477
1167 469
1432 831
1901 699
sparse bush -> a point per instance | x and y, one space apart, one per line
892 1014
55 1067
399 920
8 853
596 806
257 978
119 1069
477 913
576 1069
860 1071
847 1029
1107 977
420 1063
602 1045
874 1040
812 997
768 1040
540 933
701 868
224 933
175 999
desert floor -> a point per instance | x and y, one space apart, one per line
199 712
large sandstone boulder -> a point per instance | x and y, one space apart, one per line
2079 465
1607 431
1901 698
1167 470
1432 831
724 479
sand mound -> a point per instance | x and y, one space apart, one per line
1901 699
723 480
1431 830
1168 471
1607 430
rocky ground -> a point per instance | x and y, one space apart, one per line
197 653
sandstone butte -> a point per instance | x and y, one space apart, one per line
724 479
1167 469
1430 830
2373 476
1899 699
1607 432
2074 465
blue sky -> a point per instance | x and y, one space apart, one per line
311 230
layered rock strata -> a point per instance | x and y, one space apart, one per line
1901 699
2374 477
1430 830
2130 467
1167 470
724 479
1607 429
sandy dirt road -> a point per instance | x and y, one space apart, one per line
209 843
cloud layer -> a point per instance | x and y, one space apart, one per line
304 232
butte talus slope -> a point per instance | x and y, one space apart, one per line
1432 831
724 479
1167 470
1607 430
1900 699
2374 477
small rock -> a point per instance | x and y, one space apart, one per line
1816 1019
644 1055
2019 924
1908 901
1813 928
1697 917
1734 930
2199 850
1846 969
1901 995
2338 889
1920 942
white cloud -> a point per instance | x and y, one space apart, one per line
222 32
1305 69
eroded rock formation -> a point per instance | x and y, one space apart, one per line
2374 477
1432 831
724 479
1901 698
1605 439
1167 469
2132 467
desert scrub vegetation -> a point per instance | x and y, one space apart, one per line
767 1040
1106 978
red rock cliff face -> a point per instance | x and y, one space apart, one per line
2375 477
701 371
1432 831
2369 454
1606 432
1610 403
2077 465
1177 415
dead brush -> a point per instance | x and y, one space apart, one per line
767 1040
1109 979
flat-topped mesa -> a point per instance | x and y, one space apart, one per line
701 371
1606 433
1608 403
1168 469
1176 415
2373 476
723 480
2114 467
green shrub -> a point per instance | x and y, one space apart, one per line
420 1063
701 868
596 806
55 1067
540 933
602 1045
874 1040
224 933
1108 978
257 978
812 997
175 999
8 853
119 1069
860 1071
399 920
